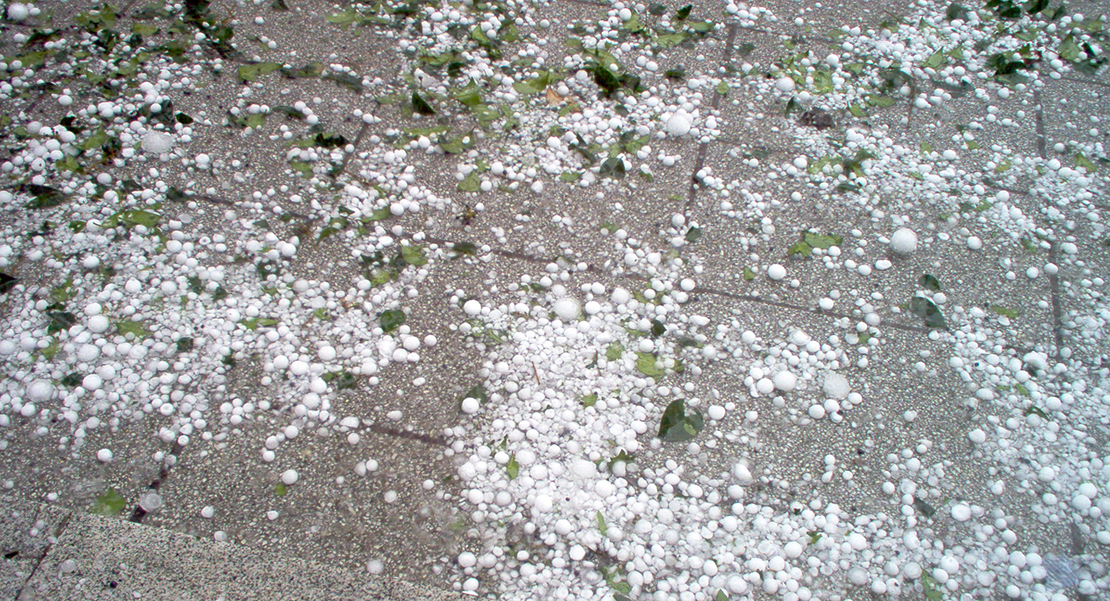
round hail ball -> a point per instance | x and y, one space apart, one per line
903 241
678 124
567 308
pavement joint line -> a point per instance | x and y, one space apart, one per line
58 531
701 289
785 305
1093 82
138 513
1053 278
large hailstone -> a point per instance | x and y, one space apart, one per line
679 124
836 386
157 142
903 241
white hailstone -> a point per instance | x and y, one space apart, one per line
98 324
542 504
903 241
785 84
326 353
472 307
816 411
467 559
801 162
741 473
375 566
157 142
776 272
978 436
974 243
961 512
593 308
567 308
785 381
92 382
1046 474
620 296
18 11
104 455
836 386
716 412
207 512
679 124
470 406
150 502
857 576
289 477
40 390
793 549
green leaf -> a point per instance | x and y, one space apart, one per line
928 311
1035 410
344 18
52 349
280 489
645 364
824 242
133 217
684 12
956 11
421 106
722 88
351 82
1085 163
512 467
1069 50
465 248
929 282
133 327
933 590
589 400
1005 311
253 71
614 351
601 527
880 101
799 248
478 392
321 314
470 183
185 344
670 40
937 60
253 323
749 275
677 425
720 596
414 255
109 503
391 319
693 234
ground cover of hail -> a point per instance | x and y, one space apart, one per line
570 299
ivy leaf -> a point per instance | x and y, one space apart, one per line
414 255
73 379
478 392
824 242
589 400
956 11
185 344
512 467
927 310
421 106
470 183
722 88
677 425
614 351
280 489
601 526
720 596
684 12
657 328
1085 163
1005 311
749 275
109 503
135 328
391 320
645 364
929 282
931 587
253 71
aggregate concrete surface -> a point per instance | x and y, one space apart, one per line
185 453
